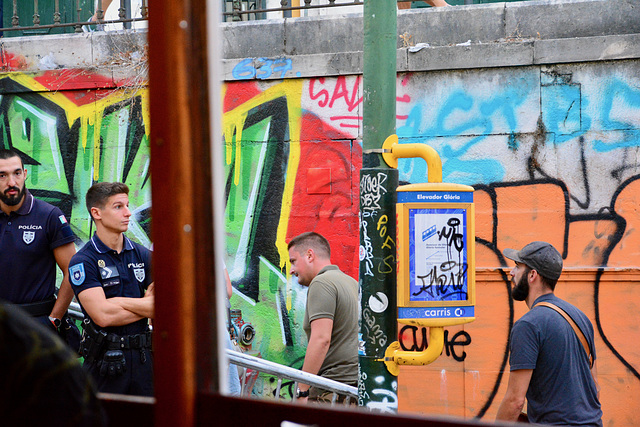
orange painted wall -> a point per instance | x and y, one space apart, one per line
470 378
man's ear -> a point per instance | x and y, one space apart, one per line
311 255
95 213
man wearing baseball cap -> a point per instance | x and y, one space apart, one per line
552 364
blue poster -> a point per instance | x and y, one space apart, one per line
438 255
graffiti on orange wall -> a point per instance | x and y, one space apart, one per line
570 194
498 210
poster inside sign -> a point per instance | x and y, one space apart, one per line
438 255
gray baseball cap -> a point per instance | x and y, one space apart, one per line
540 256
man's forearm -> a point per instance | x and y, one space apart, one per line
63 255
509 410
111 314
140 306
65 296
316 352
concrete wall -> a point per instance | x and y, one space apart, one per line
540 111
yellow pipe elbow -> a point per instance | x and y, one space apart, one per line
393 356
392 151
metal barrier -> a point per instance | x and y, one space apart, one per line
271 368
285 372
75 312
249 10
77 16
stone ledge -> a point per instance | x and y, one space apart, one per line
108 52
586 49
482 23
441 58
508 54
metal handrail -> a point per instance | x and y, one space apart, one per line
271 368
292 8
281 371
80 25
75 312
286 6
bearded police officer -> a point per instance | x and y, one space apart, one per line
111 277
34 237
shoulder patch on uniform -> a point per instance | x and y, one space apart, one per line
62 219
77 274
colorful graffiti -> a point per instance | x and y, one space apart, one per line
286 173
534 152
552 154
72 135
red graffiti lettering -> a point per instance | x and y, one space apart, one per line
323 92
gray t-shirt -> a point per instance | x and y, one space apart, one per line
334 295
562 390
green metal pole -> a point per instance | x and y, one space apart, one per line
377 387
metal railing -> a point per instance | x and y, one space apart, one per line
74 15
262 366
75 312
284 372
63 16
249 10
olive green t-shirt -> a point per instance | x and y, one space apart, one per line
334 295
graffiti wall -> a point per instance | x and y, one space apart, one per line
553 155
75 128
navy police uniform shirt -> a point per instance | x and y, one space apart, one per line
124 274
28 237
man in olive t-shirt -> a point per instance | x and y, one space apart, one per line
331 315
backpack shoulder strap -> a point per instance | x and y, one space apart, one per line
576 329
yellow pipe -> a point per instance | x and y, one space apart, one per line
393 356
392 151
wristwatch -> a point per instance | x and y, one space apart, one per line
300 393
56 322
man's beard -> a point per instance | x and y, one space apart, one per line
13 200
521 291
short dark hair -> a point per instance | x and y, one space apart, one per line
550 283
311 240
100 192
6 153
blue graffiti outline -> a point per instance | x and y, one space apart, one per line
618 89
476 170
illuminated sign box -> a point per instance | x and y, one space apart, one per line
436 254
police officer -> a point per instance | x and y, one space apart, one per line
34 237
111 277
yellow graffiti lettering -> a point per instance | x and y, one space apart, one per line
388 242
